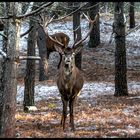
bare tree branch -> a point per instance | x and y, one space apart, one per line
54 20
29 57
3 53
131 30
83 9
21 57
35 11
3 35
27 31
29 14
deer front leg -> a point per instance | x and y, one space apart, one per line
71 105
64 113
45 63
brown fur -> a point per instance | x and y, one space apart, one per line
69 87
75 84
61 37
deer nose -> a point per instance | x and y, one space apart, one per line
67 60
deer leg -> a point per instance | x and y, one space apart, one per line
64 113
48 54
45 63
71 105
59 61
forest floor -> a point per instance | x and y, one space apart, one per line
102 116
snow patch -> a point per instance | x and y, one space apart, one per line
89 90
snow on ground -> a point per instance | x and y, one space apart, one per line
89 90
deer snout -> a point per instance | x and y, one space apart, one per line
67 61
66 65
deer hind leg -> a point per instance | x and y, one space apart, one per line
71 105
48 54
45 62
59 61
64 113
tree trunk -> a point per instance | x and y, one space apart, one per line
29 79
10 73
2 76
3 66
132 14
76 24
94 40
120 52
41 43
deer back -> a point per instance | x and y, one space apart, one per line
61 37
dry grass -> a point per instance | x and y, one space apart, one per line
106 118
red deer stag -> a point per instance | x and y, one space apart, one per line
70 80
62 38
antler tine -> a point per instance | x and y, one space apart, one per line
51 19
42 20
56 41
91 26
38 21
86 16
47 23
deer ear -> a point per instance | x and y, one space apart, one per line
59 49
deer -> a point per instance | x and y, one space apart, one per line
70 80
61 37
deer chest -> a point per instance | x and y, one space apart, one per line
67 86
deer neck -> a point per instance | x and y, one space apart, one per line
68 75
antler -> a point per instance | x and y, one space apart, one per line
44 21
75 40
80 41
91 27
48 22
56 41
